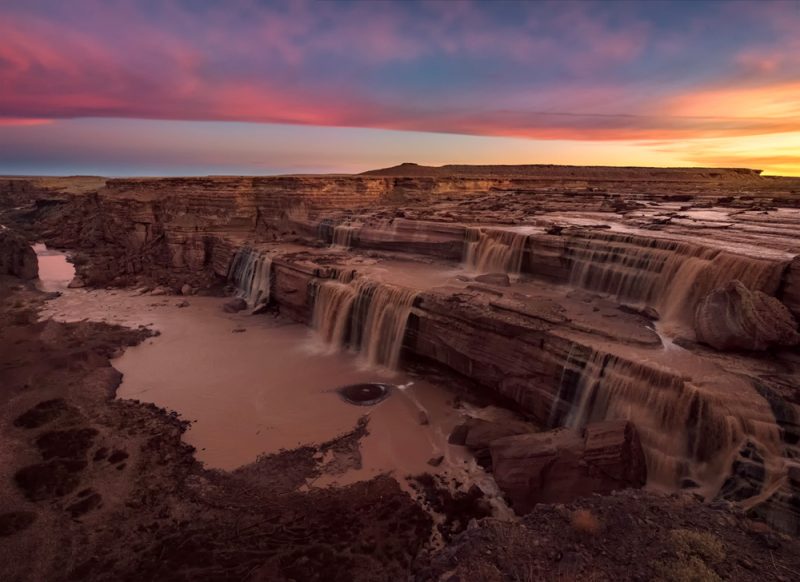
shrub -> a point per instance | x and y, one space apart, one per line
584 521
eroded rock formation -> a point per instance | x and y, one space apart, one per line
736 318
591 320
562 465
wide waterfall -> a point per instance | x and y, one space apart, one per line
251 271
368 316
689 428
494 250
669 275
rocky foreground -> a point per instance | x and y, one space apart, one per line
643 321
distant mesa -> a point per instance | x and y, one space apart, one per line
551 171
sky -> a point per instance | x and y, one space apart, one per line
188 87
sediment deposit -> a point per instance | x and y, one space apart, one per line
662 300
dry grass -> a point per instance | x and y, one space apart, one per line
583 521
695 553
698 543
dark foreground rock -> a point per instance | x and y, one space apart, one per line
736 318
630 535
17 258
564 464
93 488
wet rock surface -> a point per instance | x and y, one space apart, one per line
235 305
365 394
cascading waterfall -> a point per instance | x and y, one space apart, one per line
494 250
385 324
668 275
332 306
688 429
343 236
368 316
251 271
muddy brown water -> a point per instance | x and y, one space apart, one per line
267 388
55 271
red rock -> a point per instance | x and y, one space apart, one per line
735 318
561 465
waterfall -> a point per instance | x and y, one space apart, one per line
251 271
494 250
688 428
332 307
385 323
343 236
669 275
368 316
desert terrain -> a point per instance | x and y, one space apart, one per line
555 372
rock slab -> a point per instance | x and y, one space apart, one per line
564 464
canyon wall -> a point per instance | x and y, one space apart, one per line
587 261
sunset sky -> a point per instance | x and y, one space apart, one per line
171 87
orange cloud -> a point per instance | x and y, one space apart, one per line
774 101
17 121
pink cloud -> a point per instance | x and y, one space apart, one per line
17 121
553 74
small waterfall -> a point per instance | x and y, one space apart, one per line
332 307
669 275
494 250
687 428
343 236
251 271
368 316
384 326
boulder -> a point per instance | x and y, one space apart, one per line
563 464
17 258
477 434
235 305
187 289
735 318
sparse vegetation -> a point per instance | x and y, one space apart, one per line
695 553
698 543
583 521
